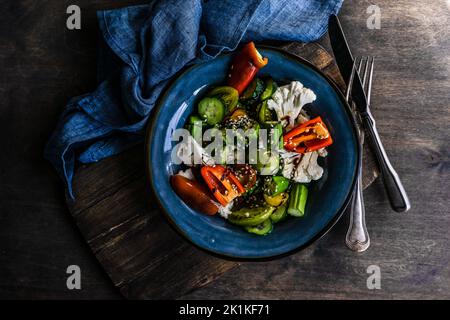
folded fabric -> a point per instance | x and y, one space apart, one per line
142 47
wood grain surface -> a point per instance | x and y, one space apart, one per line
43 65
128 233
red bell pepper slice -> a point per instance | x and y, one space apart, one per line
256 58
309 136
244 67
222 182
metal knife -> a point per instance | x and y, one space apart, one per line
396 193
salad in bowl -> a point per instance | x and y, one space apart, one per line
250 148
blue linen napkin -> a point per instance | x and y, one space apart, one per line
142 47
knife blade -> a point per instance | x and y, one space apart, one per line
394 188
345 62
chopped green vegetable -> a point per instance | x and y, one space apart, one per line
196 131
253 92
265 115
279 214
268 164
276 185
252 134
248 92
195 125
297 200
250 216
228 95
194 119
278 132
248 134
212 110
262 229
276 201
254 189
271 86
275 133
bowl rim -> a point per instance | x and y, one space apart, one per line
149 137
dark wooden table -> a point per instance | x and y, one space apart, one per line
43 64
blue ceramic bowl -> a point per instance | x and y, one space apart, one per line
328 197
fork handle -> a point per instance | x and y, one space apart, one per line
394 188
357 237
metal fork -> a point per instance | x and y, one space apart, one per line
357 237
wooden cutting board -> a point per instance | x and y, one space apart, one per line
144 257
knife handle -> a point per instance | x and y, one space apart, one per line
396 193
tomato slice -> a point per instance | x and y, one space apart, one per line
193 194
238 113
246 175
228 95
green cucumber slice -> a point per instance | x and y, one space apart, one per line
211 110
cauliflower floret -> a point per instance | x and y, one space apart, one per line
313 170
302 173
302 117
190 152
289 167
322 152
302 168
287 102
